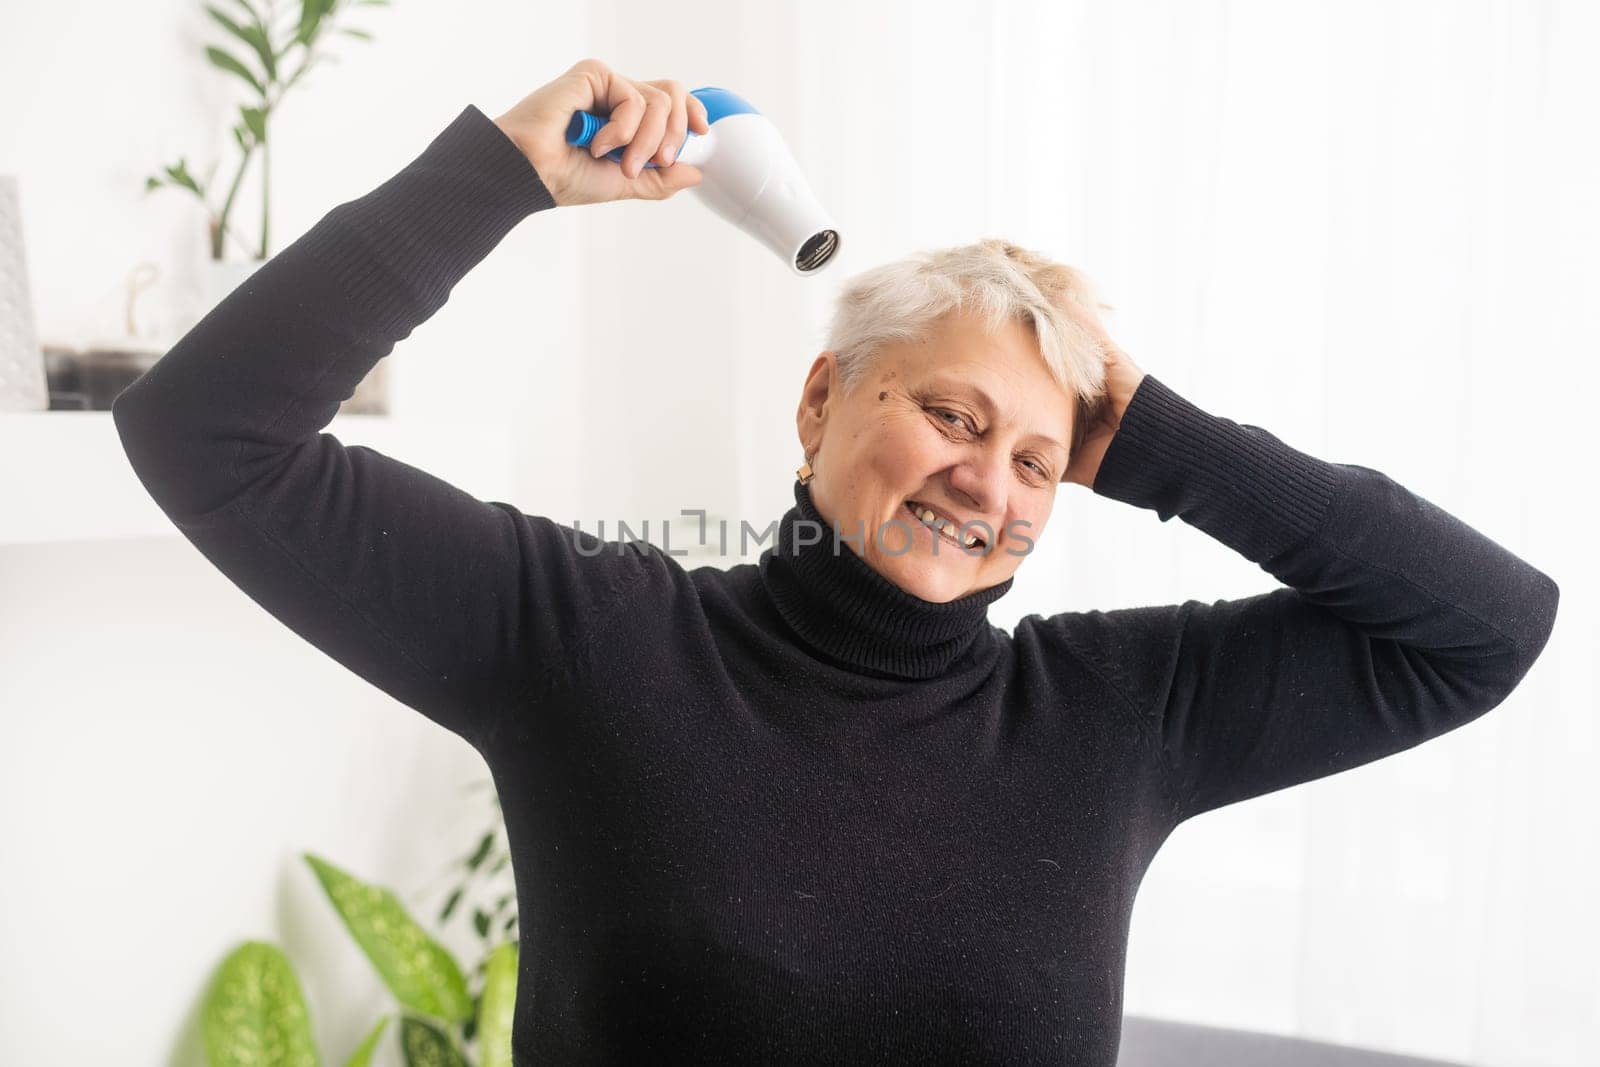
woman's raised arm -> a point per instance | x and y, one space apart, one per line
1399 621
455 606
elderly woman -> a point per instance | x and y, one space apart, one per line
816 808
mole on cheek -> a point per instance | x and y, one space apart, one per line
884 395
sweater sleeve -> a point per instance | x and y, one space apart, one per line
454 606
1397 621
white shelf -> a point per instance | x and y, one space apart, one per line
65 477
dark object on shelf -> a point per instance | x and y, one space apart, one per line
63 380
90 379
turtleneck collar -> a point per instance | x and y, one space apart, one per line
843 607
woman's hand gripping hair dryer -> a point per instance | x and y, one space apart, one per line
749 177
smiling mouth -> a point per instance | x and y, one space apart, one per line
943 527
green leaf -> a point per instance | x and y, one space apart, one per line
233 66
450 905
252 35
238 135
509 923
353 32
498 1007
263 47
480 921
425 1045
311 12
254 1014
481 851
227 23
256 119
180 175
419 971
152 183
362 1056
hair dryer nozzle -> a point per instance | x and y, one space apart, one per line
817 251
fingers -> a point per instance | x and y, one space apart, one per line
648 132
620 99
677 122
653 119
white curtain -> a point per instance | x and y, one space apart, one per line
1369 227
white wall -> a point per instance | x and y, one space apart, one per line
1368 227
170 751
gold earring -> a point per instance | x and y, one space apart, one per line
804 471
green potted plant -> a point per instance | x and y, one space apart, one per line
255 1012
268 48
280 47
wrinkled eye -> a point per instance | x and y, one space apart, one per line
961 422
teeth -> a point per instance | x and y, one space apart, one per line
945 526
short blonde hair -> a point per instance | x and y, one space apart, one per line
903 301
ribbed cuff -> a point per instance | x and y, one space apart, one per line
401 248
1236 482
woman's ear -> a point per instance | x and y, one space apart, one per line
815 395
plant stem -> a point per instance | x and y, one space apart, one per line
216 229
220 228
268 105
227 205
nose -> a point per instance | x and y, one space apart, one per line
979 483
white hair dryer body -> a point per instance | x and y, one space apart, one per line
748 176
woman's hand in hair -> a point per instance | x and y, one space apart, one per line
1122 380
651 117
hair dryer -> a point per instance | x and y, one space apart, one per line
748 176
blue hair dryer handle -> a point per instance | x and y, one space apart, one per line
719 103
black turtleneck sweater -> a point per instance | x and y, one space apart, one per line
787 812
